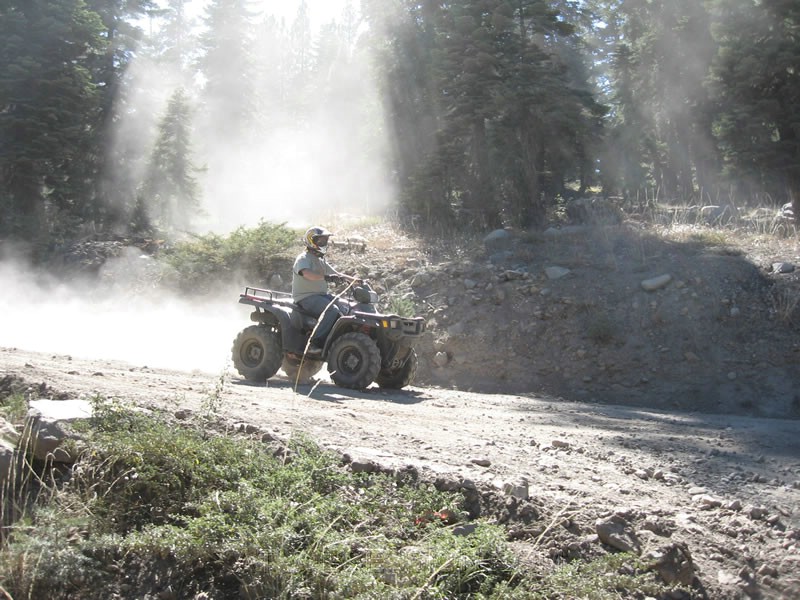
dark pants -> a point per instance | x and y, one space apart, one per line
316 305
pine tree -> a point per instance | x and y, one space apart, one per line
111 201
48 108
170 191
227 65
756 81
174 43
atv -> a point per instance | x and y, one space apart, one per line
364 346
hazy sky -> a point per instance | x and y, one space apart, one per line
320 11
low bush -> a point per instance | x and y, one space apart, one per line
254 253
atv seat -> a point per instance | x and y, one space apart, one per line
302 320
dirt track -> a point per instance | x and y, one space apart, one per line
728 485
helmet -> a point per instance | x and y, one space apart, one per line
316 240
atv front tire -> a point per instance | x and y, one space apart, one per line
354 360
257 353
399 378
291 366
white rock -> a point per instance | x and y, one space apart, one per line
656 283
440 359
47 427
556 272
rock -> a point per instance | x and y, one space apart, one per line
554 273
465 529
673 563
511 275
440 359
8 456
707 502
499 239
481 462
364 466
500 258
517 490
614 531
246 428
8 432
783 267
656 283
756 512
47 427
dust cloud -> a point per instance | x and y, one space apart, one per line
285 169
87 320
290 137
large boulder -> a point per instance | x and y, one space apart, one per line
48 427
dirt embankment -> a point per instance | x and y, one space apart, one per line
693 318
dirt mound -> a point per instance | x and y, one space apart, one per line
694 318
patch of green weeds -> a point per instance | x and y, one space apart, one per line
609 577
402 306
152 507
14 407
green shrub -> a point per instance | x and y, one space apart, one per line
13 407
165 510
402 306
255 254
152 504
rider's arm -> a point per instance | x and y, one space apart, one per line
311 275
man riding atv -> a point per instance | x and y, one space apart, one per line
359 344
310 276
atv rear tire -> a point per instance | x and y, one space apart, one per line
257 353
354 360
291 366
399 378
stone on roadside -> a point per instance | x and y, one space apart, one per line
554 273
615 531
656 283
48 427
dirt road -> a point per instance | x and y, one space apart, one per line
727 486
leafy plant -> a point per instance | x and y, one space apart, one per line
258 252
608 577
13 407
402 306
215 509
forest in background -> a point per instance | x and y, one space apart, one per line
485 112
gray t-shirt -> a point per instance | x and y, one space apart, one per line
302 287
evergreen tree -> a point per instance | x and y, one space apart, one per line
403 38
174 43
226 64
756 80
114 193
48 107
495 109
170 189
